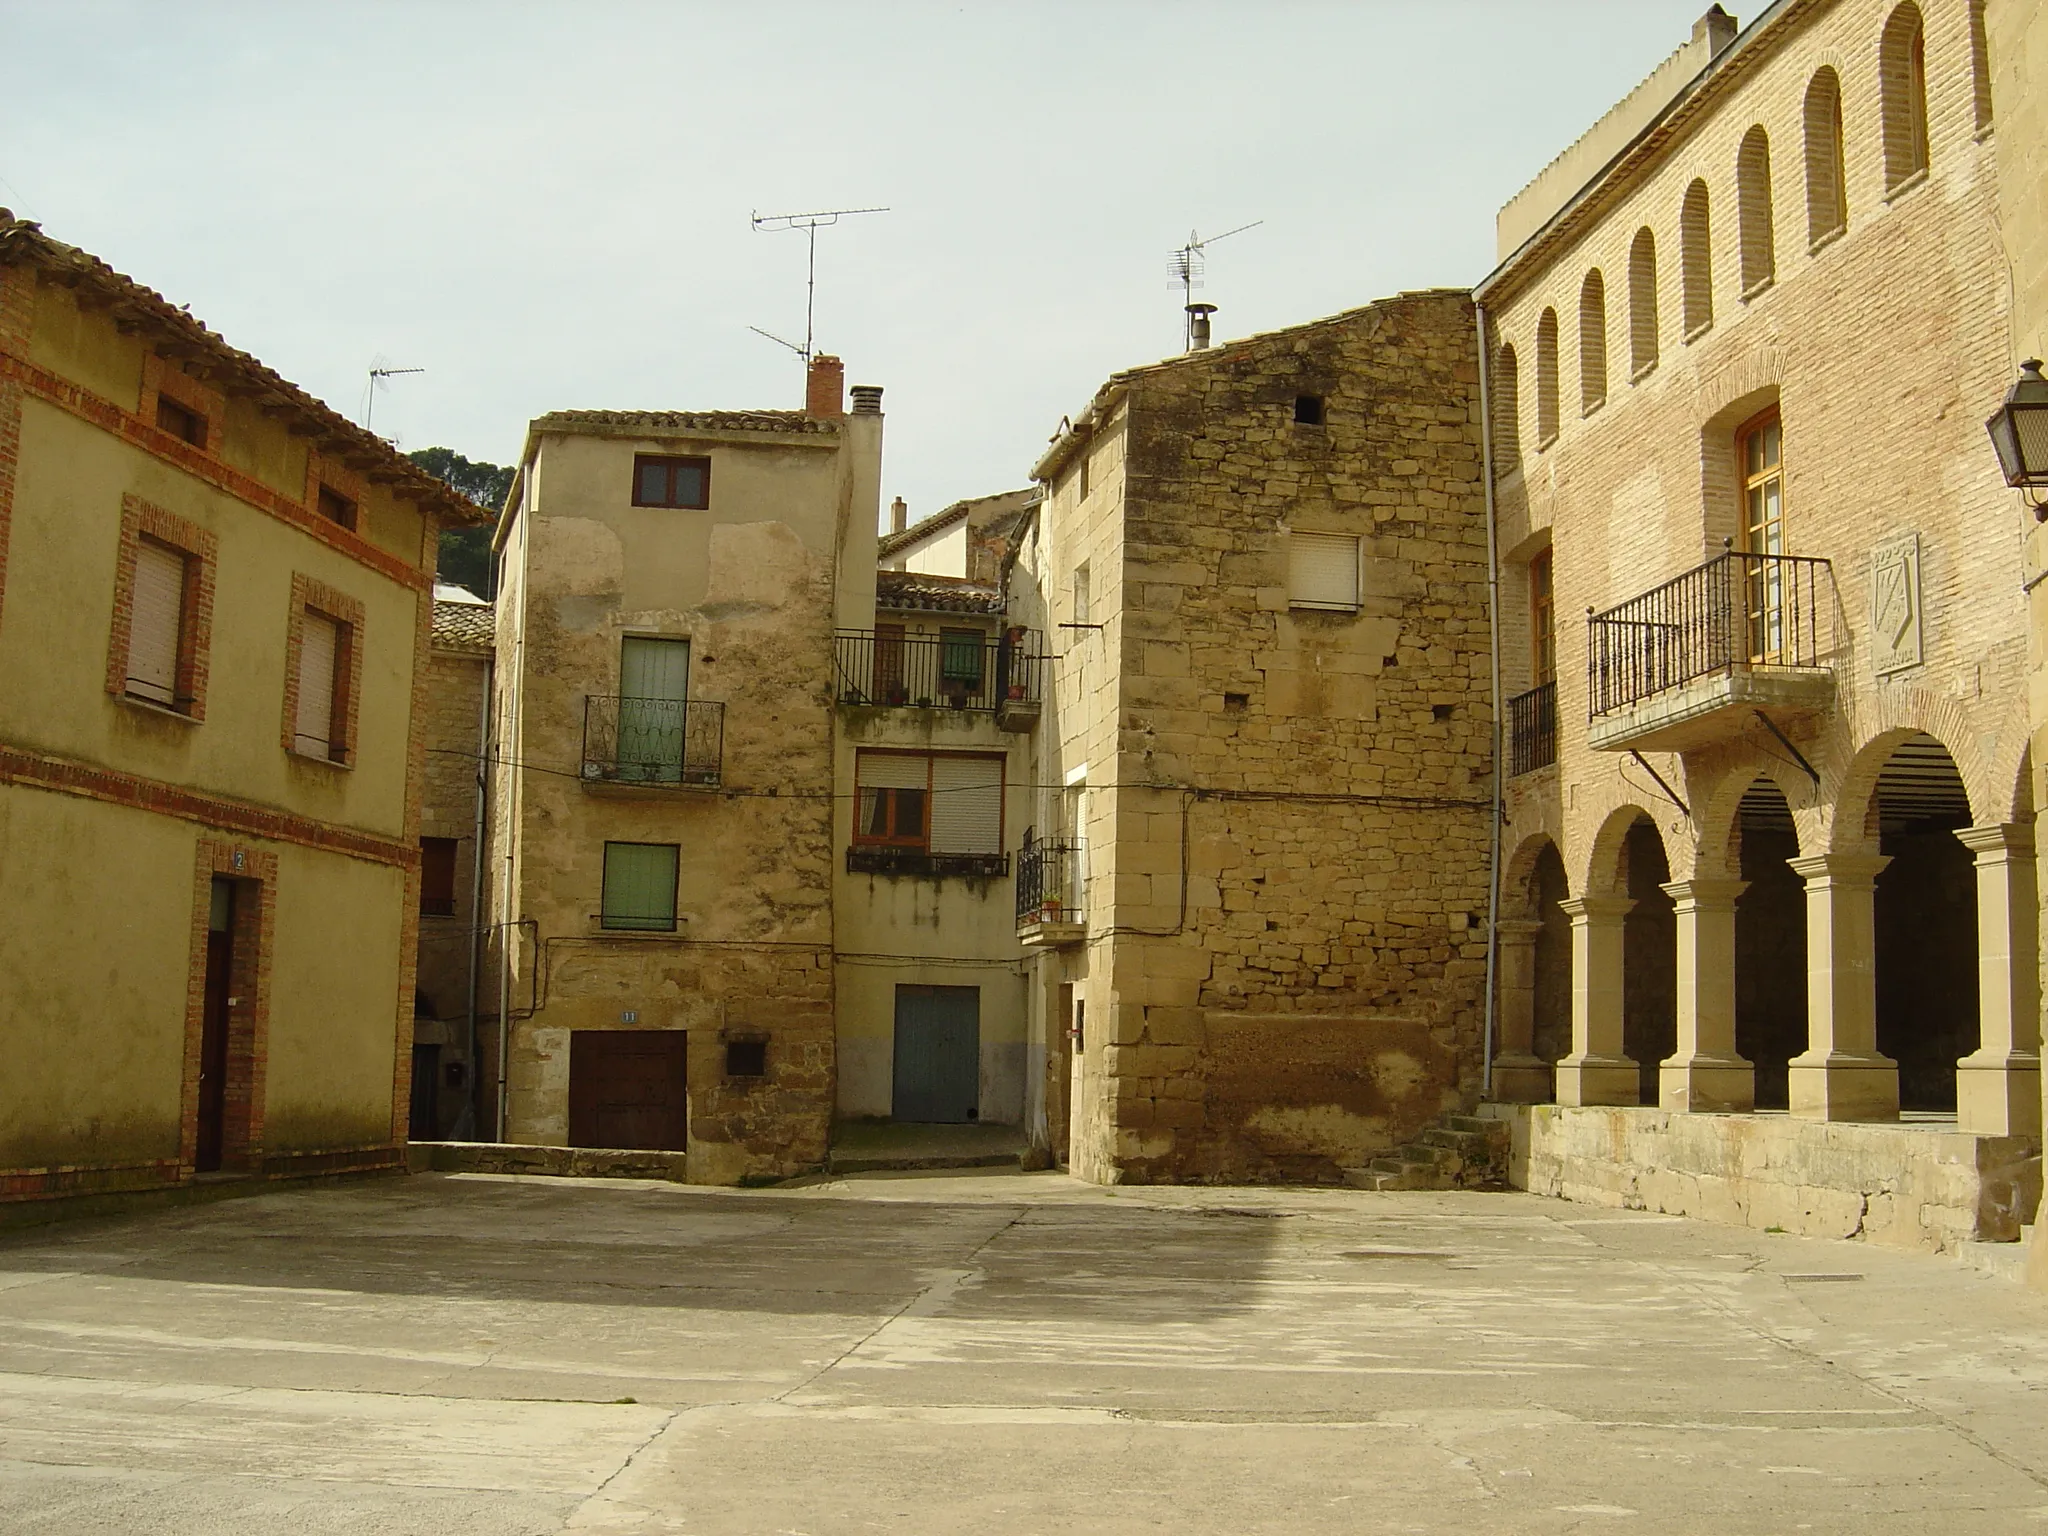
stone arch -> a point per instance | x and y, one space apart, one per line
1902 713
1902 96
1518 875
1717 813
1604 871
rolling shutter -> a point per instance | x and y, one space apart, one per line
313 731
156 622
892 770
967 804
1322 570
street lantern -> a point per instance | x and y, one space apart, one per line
2019 430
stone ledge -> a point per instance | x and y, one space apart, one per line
1924 1186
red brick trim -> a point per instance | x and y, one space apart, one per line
104 413
254 872
17 325
318 597
38 770
415 798
200 549
338 478
163 379
87 1179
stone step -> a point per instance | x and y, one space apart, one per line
1493 1130
1470 1143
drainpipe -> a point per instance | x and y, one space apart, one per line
477 926
1493 628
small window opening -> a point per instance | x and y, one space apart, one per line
181 421
1236 703
337 508
1308 410
746 1058
1440 711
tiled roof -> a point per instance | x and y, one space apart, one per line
24 240
924 527
460 626
691 421
916 592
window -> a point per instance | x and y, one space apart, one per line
1308 410
1081 478
1542 622
1322 570
1592 343
890 686
336 508
1083 612
1696 261
163 605
667 482
323 648
640 887
1902 97
1980 67
937 802
1753 212
181 421
1507 409
960 659
437 876
1827 210
1642 304
746 1058
1546 379
1759 447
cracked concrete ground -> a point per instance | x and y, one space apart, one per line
997 1354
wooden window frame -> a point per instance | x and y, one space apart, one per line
669 463
921 841
1745 481
193 429
346 613
329 477
627 923
1542 619
335 507
1762 598
165 383
139 520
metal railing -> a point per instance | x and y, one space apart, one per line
1050 886
1532 729
653 741
1737 613
923 672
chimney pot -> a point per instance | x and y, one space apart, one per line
825 386
899 515
1198 325
867 399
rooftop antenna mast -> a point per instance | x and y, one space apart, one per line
810 224
377 376
1188 265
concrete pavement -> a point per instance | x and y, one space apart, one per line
997 1353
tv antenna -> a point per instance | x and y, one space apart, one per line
377 376
810 224
1189 264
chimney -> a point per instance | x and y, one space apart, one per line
899 516
867 399
1717 29
1198 326
825 387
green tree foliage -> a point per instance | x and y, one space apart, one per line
466 552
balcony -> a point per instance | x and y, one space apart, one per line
883 859
652 744
1697 659
991 676
1532 729
1051 895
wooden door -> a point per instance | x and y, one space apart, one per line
426 1093
938 1055
628 1088
213 1027
1059 1077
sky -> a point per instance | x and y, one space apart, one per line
549 206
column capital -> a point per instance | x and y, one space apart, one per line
1838 868
2011 838
1592 908
1519 927
1706 892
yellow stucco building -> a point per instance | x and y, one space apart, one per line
214 606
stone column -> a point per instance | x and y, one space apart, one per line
1998 1085
1840 1075
1596 1072
1520 1076
1705 1073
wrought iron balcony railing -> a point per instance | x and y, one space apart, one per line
918 672
1049 882
1532 729
1737 613
653 741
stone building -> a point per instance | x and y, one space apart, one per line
213 656
455 1022
1255 891
663 830
1769 808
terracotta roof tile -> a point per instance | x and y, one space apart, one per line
471 627
916 592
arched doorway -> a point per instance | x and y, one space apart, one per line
1535 976
1649 951
1548 887
1925 923
1770 942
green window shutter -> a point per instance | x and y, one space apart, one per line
640 886
960 656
